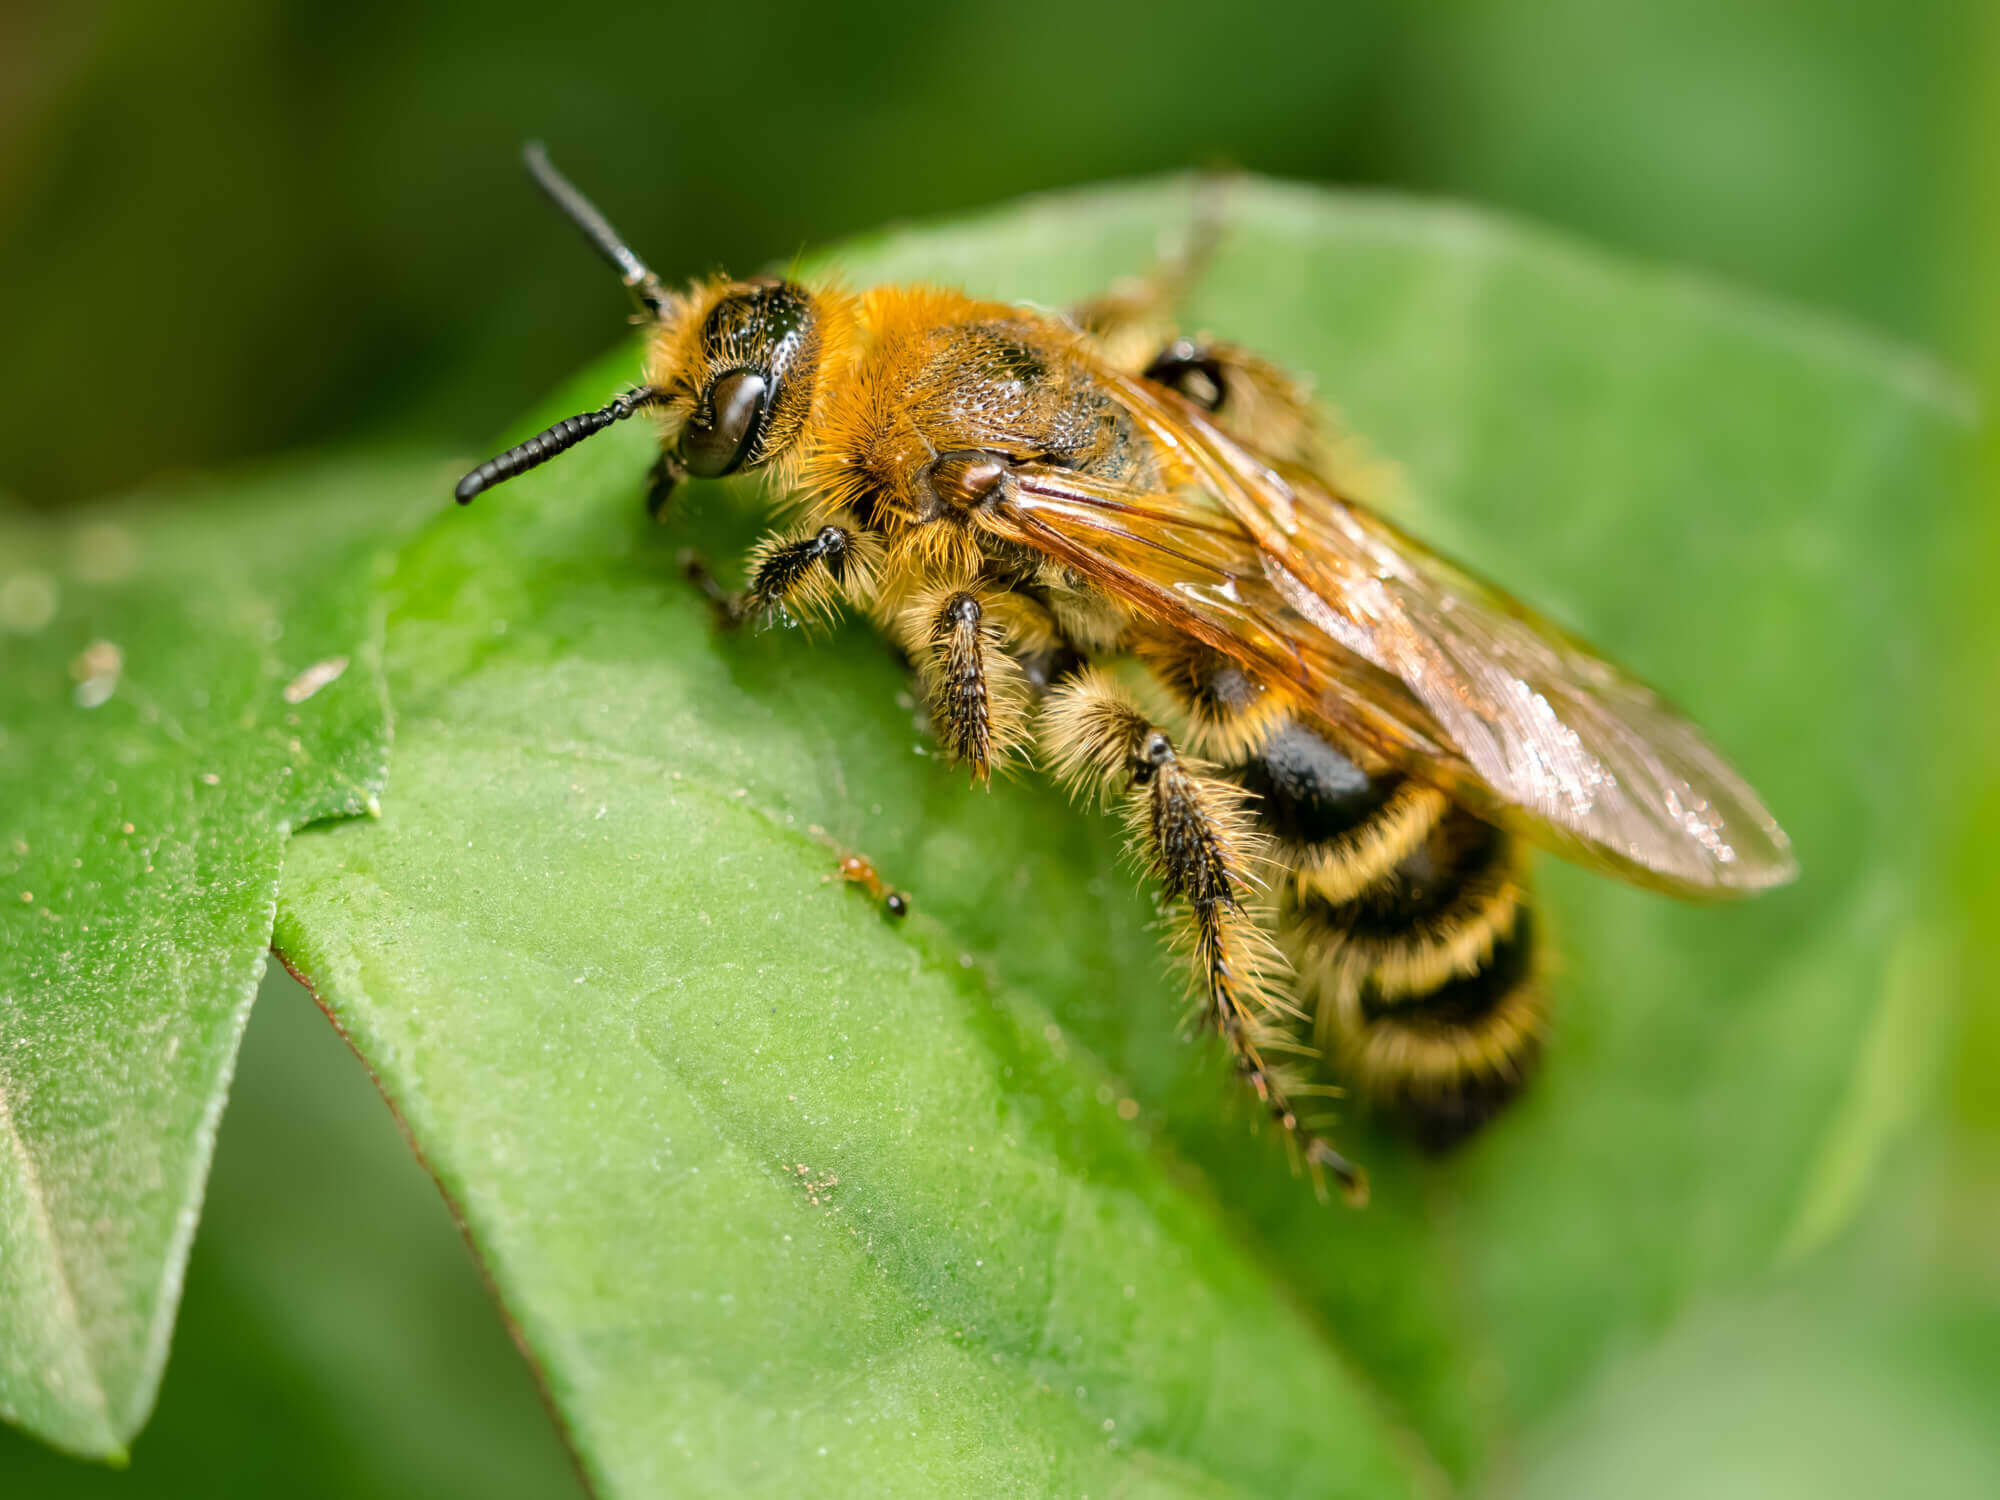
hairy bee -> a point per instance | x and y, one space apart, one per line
1043 511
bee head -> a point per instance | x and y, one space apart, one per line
731 367
745 361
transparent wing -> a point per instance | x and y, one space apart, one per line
1395 647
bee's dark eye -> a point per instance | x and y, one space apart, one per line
724 427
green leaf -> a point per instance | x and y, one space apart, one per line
334 1341
157 743
1869 1373
781 1195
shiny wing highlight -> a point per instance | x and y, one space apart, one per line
1404 652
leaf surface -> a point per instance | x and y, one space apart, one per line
158 741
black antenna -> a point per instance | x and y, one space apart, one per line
636 274
544 446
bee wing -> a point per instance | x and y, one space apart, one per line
1438 671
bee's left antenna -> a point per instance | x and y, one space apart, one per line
579 210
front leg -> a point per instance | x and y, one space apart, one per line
801 578
662 480
806 575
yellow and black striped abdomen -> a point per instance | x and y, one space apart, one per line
1408 922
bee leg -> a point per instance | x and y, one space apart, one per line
1137 312
1194 837
1045 670
727 606
800 578
661 481
800 575
960 697
1035 641
976 688
1252 399
1408 921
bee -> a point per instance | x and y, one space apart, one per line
1127 559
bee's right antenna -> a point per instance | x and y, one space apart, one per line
636 274
546 444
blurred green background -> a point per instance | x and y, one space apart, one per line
234 227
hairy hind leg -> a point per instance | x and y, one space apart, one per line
1408 921
1190 832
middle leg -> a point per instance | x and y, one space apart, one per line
984 653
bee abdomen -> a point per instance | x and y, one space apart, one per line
1407 920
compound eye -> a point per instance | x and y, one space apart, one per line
718 436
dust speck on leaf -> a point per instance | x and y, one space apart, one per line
96 659
818 1186
96 669
95 692
313 678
